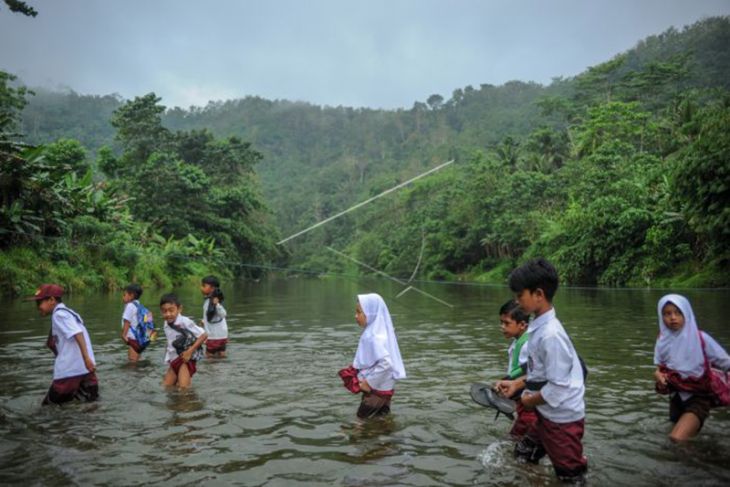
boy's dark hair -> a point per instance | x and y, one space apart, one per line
135 290
512 309
212 280
533 275
170 298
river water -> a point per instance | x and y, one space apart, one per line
275 413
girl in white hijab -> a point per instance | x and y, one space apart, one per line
378 358
680 358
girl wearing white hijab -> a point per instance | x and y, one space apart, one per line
680 358
378 358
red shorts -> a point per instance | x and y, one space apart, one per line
134 345
83 387
215 346
561 441
526 418
177 363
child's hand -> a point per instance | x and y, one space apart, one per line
187 355
90 366
364 386
531 399
507 388
660 378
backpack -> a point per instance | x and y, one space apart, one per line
145 325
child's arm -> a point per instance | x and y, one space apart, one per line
187 354
660 377
125 330
532 399
81 341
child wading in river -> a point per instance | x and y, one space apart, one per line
684 356
184 339
377 364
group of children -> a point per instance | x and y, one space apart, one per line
545 374
74 370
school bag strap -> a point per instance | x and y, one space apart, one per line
719 380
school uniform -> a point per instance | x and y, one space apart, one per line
71 378
214 322
378 359
554 369
516 366
171 357
680 354
130 314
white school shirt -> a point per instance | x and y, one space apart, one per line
218 328
64 327
182 322
130 314
552 358
379 376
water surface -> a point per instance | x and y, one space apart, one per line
275 413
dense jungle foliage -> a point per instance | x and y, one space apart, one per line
620 175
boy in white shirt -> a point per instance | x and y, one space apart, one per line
184 339
130 298
74 369
554 384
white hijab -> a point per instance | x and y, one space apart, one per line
378 339
679 350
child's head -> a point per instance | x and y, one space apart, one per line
360 317
170 307
208 284
46 297
131 293
513 319
534 284
675 311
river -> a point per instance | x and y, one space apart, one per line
275 413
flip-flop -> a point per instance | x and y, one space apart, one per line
483 395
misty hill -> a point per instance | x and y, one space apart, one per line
318 160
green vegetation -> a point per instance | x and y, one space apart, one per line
618 175
170 208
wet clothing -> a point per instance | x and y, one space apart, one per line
134 345
179 362
698 405
526 418
562 442
216 346
83 387
376 403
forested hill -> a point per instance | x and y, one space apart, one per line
592 171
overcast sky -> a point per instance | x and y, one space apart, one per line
381 54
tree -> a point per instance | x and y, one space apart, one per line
21 7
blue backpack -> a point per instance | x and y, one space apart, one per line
145 325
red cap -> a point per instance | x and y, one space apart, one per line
46 291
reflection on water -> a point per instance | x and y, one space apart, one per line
275 412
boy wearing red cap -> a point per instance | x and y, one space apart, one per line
74 369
